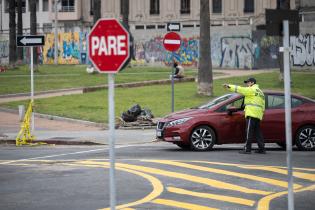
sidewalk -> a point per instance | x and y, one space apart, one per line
65 131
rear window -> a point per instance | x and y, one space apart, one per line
278 102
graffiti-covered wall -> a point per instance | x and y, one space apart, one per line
72 48
302 49
4 49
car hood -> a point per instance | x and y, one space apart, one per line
185 113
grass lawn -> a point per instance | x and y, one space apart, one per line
94 106
50 77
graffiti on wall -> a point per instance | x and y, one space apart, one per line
153 51
72 48
4 49
302 50
238 52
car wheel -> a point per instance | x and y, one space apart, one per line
305 138
202 138
183 146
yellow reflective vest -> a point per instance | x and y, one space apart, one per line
254 100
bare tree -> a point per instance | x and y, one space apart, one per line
32 5
205 78
19 28
96 10
282 4
12 28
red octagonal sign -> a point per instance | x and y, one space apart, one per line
172 41
108 45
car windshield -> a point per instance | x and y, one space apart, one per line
216 101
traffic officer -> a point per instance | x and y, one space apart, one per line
254 103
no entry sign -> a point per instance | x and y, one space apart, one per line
172 41
108 45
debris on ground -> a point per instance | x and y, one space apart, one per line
136 117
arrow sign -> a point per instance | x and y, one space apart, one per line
173 26
29 41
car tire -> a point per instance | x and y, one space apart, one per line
305 138
183 146
202 138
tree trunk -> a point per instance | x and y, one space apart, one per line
205 80
33 19
19 28
12 26
125 19
284 4
97 10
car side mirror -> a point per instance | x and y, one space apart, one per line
232 109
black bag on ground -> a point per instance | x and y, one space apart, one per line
132 113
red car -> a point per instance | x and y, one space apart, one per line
221 121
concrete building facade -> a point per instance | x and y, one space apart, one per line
235 41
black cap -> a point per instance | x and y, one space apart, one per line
250 80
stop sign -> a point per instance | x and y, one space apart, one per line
172 41
108 45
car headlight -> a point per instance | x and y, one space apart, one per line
178 122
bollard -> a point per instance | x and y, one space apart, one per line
21 112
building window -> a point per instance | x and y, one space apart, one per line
283 4
37 6
45 5
249 6
154 7
184 6
67 6
216 6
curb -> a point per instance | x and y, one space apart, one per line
58 118
55 142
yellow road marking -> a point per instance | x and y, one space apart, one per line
274 169
300 175
210 182
157 185
264 203
224 198
225 172
182 205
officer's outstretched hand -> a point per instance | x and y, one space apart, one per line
226 86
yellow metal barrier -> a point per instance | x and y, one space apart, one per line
24 137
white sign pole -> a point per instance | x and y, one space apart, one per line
32 88
288 122
111 114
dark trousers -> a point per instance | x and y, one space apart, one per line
253 132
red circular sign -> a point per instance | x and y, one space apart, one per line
108 45
172 41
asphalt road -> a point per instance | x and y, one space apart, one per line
152 176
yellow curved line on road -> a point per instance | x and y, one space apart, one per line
229 199
157 185
225 172
275 169
181 205
264 203
210 182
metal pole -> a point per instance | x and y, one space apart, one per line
173 84
287 91
32 88
111 114
56 35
